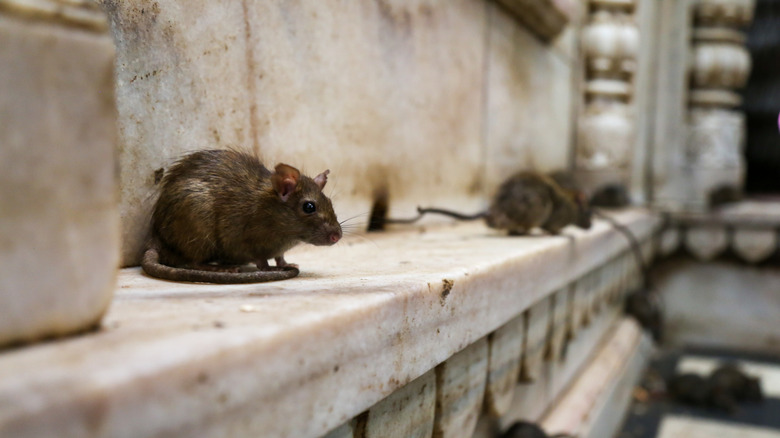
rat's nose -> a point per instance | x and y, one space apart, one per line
334 237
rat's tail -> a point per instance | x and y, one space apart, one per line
450 213
423 211
152 266
636 249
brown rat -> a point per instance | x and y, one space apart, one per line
219 209
722 389
525 201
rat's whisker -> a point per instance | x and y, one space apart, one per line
353 217
362 236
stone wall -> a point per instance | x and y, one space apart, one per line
435 101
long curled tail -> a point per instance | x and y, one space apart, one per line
152 266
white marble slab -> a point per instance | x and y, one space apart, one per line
59 218
719 304
593 406
363 319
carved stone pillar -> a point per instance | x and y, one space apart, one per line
606 125
716 130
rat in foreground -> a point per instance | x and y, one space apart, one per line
219 209
525 201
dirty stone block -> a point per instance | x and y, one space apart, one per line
529 97
59 225
356 87
572 315
460 388
346 430
668 240
530 399
407 412
537 324
579 316
588 284
706 242
558 326
615 280
594 293
506 348
754 245
579 351
611 280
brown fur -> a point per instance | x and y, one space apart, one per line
224 207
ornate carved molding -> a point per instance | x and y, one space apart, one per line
606 128
748 229
720 64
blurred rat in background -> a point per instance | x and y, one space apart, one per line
525 201
726 385
220 209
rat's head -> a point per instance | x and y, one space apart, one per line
497 218
309 213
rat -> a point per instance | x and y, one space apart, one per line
612 195
722 389
524 429
220 209
525 201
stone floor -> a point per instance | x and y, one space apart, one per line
663 418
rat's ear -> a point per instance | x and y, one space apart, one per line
321 179
284 180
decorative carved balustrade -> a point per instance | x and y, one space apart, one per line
720 65
355 348
748 230
606 126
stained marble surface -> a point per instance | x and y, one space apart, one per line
363 319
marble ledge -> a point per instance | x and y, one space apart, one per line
363 319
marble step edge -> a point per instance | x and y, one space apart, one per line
596 403
343 361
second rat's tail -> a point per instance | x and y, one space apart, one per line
423 211
636 249
152 266
453 214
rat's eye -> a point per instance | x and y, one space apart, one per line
309 207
